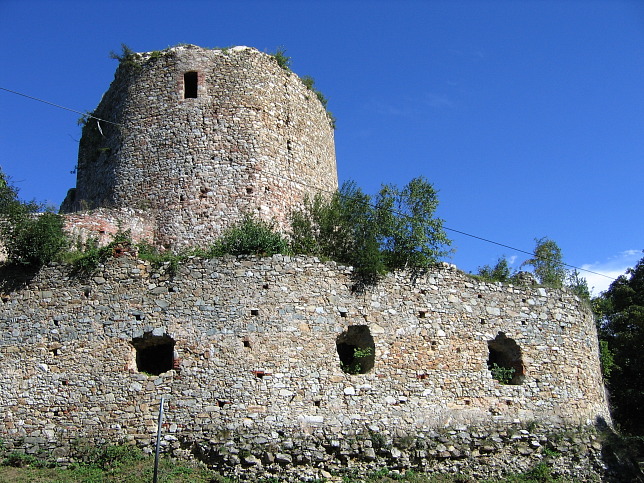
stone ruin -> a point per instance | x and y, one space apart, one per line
275 366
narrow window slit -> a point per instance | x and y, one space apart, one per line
190 82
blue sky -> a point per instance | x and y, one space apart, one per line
527 116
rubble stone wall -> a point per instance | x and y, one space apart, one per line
101 225
256 357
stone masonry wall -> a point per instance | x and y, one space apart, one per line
253 140
102 225
256 357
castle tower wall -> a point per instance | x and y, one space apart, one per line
202 136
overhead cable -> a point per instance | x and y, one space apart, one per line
316 188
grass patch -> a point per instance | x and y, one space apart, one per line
111 463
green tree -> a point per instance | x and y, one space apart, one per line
578 284
30 238
620 314
500 272
396 230
343 228
548 263
411 235
548 268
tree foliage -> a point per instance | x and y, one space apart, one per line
283 60
548 263
250 237
548 269
578 284
620 314
397 229
30 238
412 236
500 272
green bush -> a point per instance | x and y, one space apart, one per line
19 460
395 230
149 252
106 456
500 272
127 57
282 59
502 374
35 240
30 238
355 366
250 237
90 256
309 82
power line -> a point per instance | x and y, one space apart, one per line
85 114
317 188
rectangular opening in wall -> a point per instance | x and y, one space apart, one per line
190 85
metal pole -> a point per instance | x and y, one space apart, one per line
156 454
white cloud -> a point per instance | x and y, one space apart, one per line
613 267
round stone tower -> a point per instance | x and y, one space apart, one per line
199 137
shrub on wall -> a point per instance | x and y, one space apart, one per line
500 272
397 229
30 238
250 237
